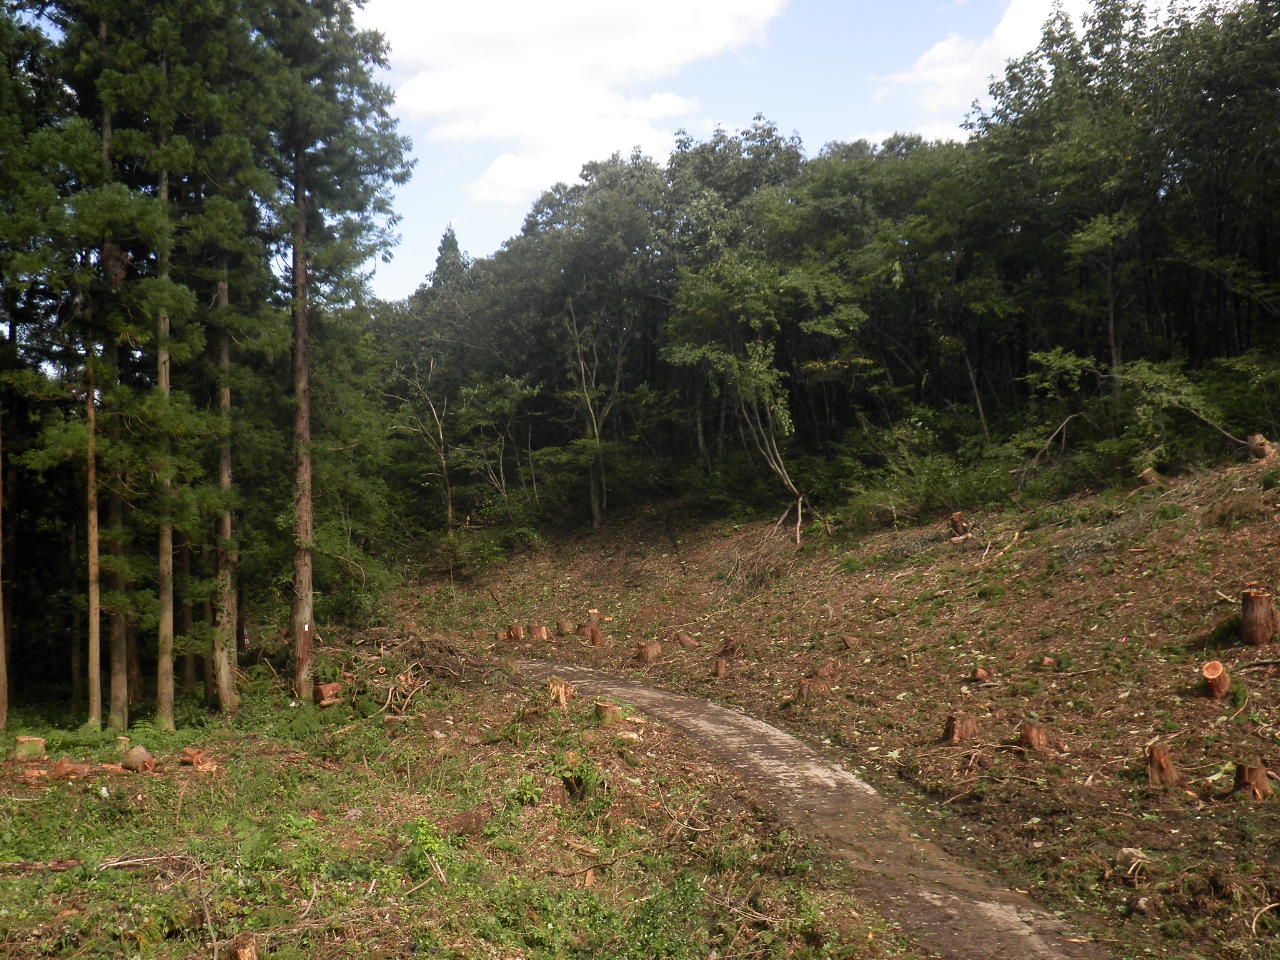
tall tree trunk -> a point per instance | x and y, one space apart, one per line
224 633
164 629
303 614
4 634
91 549
188 621
118 713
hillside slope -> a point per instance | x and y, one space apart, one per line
1093 617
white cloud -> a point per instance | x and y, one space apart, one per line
548 81
945 78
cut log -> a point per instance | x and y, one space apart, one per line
328 694
721 668
1260 446
139 760
608 714
539 634
1217 681
515 633
67 769
1258 619
812 688
686 641
28 748
1160 769
648 652
1037 739
564 628
191 757
596 635
1252 779
958 524
959 727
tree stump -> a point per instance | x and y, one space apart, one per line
648 652
139 760
328 694
539 633
1217 681
1048 663
958 525
28 748
686 641
827 671
1037 739
1160 769
959 727
979 675
560 691
1253 779
515 633
721 668
608 714
596 635
1257 616
584 630
1260 446
564 628
729 647
593 616
244 947
811 688
849 642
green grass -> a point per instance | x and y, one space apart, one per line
327 834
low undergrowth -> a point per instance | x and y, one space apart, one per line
479 821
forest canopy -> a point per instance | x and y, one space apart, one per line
207 421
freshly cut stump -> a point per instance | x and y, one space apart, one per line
959 728
721 668
1257 617
1217 681
515 633
812 688
1038 739
564 628
648 652
28 748
1160 769
608 714
539 633
596 635
1253 780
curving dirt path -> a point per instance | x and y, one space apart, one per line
953 909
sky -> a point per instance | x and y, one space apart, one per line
504 98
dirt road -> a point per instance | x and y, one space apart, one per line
951 908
